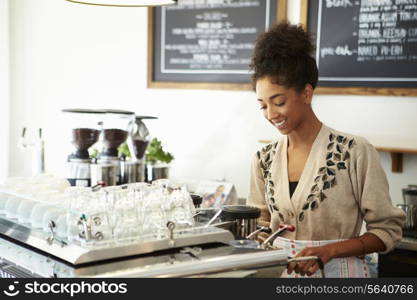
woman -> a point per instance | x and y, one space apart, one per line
322 181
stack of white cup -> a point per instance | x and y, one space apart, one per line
33 201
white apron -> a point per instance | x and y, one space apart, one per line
347 267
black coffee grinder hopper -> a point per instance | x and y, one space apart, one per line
85 132
107 169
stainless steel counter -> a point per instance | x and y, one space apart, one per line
407 243
203 252
75 253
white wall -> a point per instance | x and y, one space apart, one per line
69 55
4 89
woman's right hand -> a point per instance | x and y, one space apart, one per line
309 267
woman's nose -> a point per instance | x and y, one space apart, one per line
271 113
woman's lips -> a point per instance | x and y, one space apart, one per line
281 125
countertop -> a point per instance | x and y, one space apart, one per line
407 243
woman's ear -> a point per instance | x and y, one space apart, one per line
308 94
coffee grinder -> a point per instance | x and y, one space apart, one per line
85 132
106 170
133 169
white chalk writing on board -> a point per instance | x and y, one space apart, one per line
383 31
339 50
213 40
338 3
380 34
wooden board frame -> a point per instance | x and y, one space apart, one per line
386 91
281 15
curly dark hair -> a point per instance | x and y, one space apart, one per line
284 53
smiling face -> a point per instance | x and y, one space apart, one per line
285 108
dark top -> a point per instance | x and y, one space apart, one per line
293 185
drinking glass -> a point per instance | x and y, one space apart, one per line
4 196
61 226
52 213
37 213
72 229
180 208
126 227
24 210
153 215
12 205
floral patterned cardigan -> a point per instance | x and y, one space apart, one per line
342 185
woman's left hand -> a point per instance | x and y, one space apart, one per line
309 267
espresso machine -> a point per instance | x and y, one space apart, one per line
85 124
133 169
106 169
410 208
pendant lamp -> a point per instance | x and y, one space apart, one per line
125 3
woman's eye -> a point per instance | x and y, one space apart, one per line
262 107
280 104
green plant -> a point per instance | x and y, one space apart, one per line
94 153
124 150
155 153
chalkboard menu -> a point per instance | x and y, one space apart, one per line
206 41
365 43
